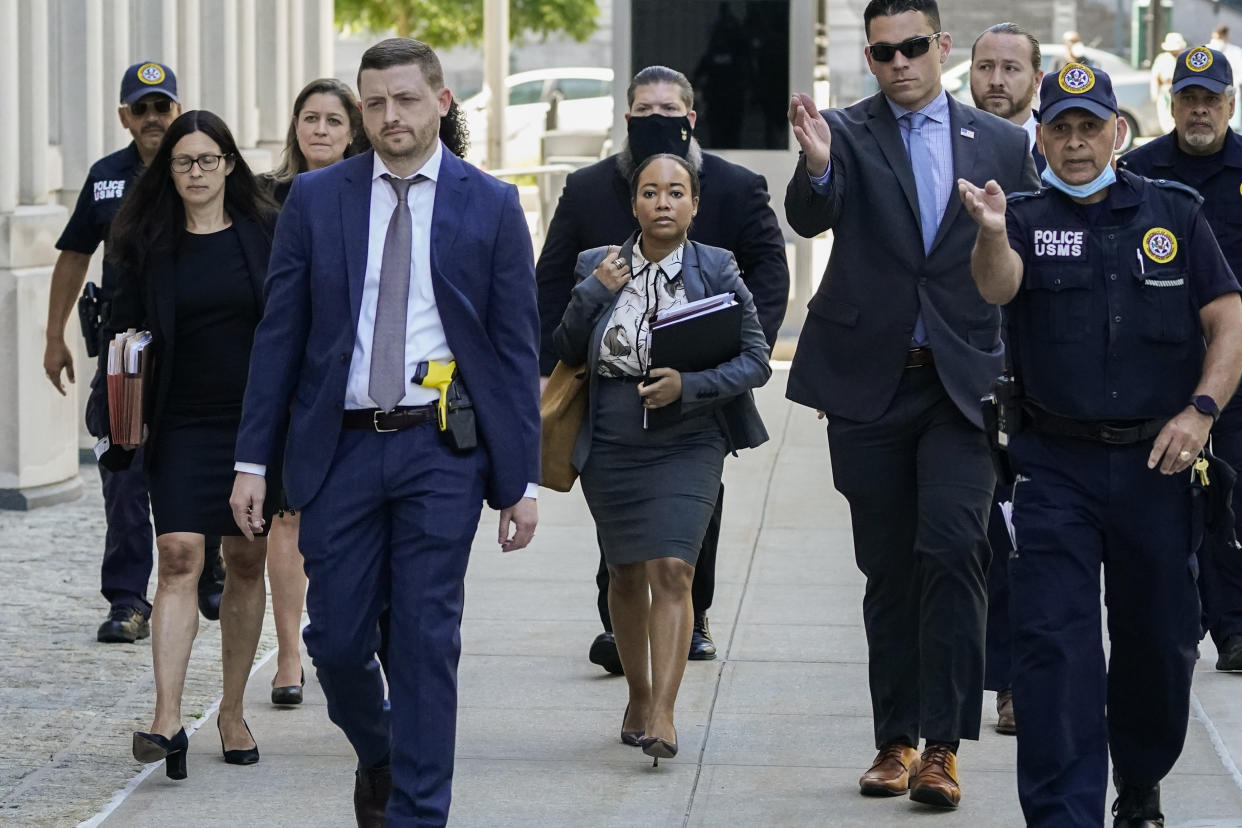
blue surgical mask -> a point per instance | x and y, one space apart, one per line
1106 178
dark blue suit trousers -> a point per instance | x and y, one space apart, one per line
391 527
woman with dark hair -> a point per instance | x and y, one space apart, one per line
191 243
326 127
652 491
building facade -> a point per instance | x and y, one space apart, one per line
61 63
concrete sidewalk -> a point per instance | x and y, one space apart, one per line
773 733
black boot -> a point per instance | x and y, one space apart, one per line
1137 806
702 648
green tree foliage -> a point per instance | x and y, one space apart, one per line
446 23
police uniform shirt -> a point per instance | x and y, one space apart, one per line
1105 325
1217 177
106 184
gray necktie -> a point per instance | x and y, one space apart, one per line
387 380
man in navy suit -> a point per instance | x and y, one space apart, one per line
896 350
381 263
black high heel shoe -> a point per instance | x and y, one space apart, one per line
289 695
658 749
152 747
243 756
632 738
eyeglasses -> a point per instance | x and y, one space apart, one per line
206 163
139 108
911 48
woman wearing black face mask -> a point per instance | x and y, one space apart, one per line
652 492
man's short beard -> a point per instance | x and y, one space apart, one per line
1200 139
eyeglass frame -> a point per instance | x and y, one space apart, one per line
178 160
161 105
907 47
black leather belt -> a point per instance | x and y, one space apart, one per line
372 419
919 357
1112 432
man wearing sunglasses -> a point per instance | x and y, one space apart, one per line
148 105
896 351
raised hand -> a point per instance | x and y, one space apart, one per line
986 204
812 132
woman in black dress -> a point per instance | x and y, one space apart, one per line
326 127
191 243
652 491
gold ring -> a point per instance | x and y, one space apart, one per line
1184 455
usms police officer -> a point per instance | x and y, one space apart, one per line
148 105
1125 327
1204 153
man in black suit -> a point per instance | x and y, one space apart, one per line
897 349
595 210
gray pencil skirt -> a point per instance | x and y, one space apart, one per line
651 493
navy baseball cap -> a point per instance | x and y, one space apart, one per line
1204 67
1076 87
145 78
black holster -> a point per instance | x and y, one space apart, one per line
93 307
1002 418
460 430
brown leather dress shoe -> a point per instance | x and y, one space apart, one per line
936 781
891 771
1004 713
372 788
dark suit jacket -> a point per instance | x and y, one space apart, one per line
595 210
481 272
706 271
851 352
148 301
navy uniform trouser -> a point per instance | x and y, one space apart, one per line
392 527
998 647
127 555
1079 505
1220 570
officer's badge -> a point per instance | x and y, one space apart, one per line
152 74
1076 78
1198 59
1160 245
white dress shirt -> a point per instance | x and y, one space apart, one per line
1029 126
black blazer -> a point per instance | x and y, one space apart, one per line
852 349
595 211
145 300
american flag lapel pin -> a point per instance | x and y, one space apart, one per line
968 133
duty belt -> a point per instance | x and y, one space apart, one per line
1112 432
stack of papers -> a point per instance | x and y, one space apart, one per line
129 366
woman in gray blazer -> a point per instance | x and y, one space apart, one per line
652 490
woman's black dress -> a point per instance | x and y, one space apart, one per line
191 477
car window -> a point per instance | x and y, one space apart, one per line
526 93
575 88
